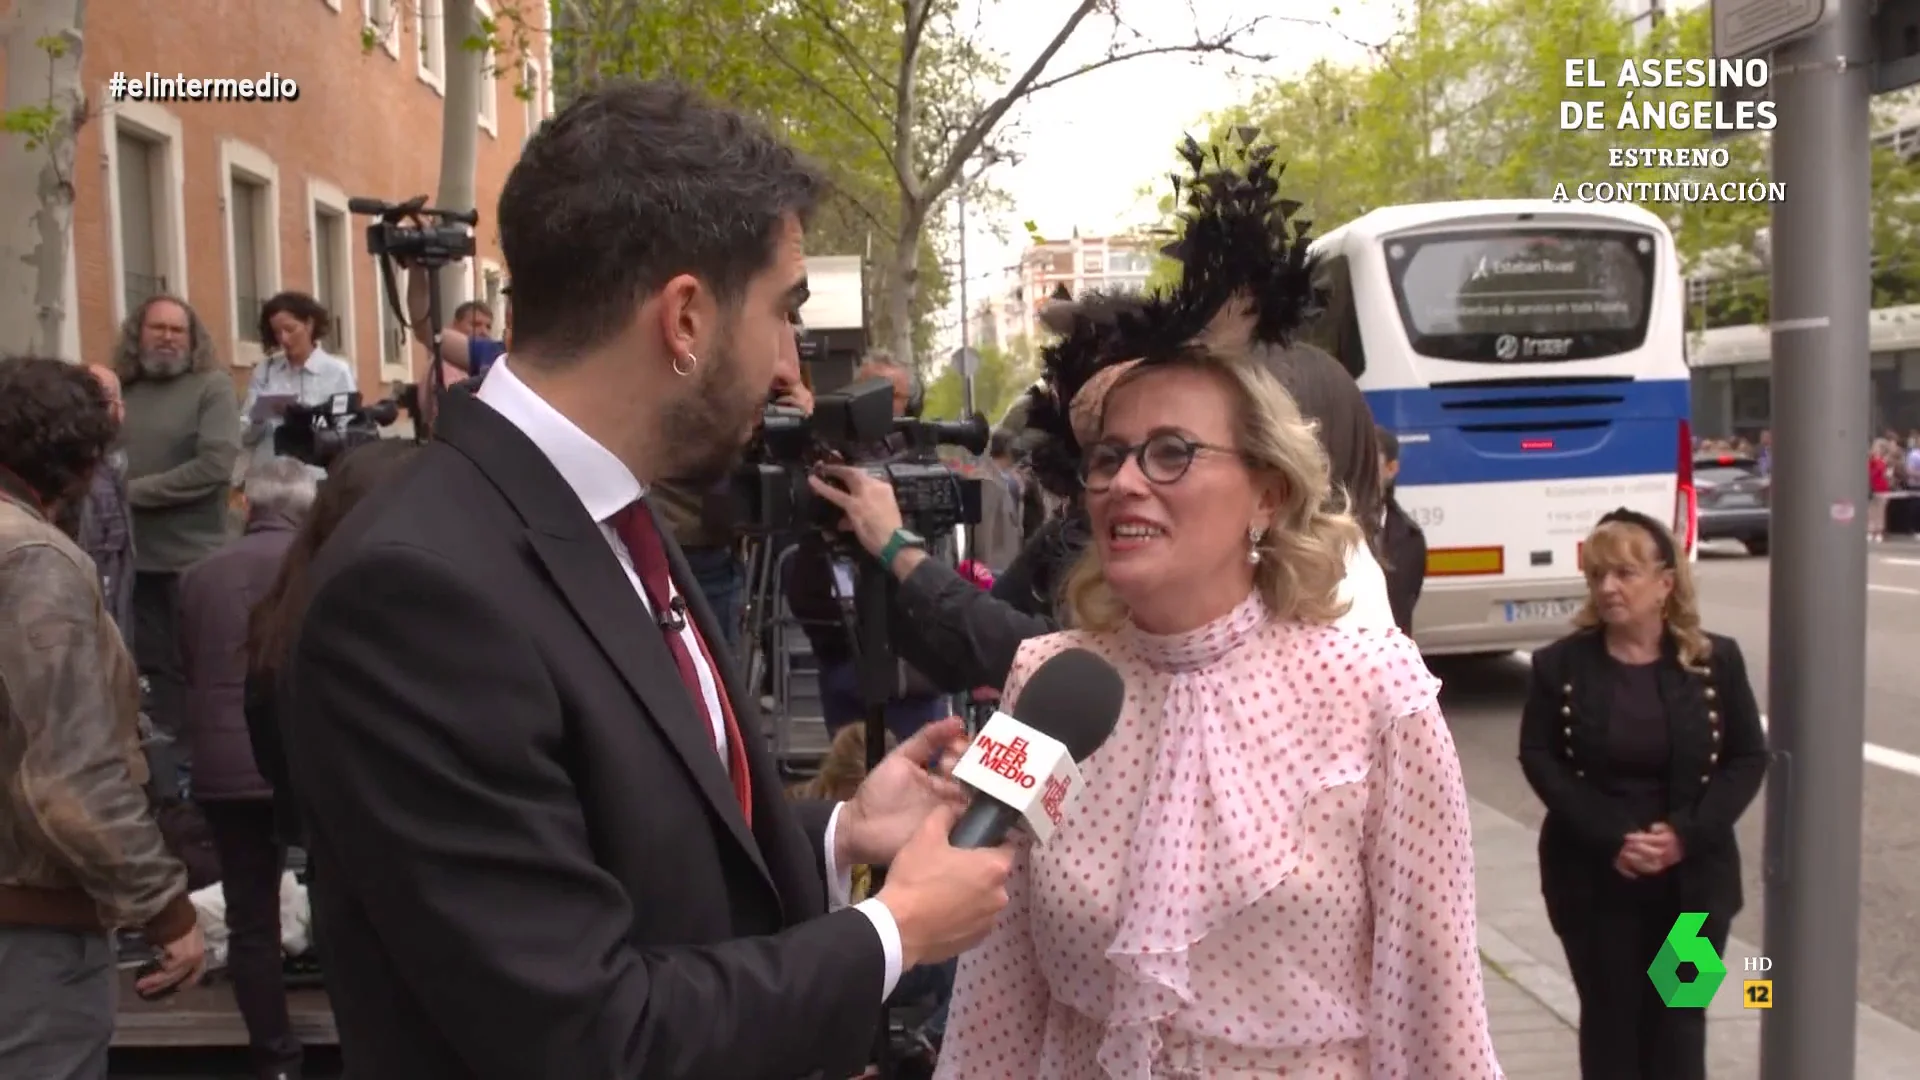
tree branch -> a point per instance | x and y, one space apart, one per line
808 79
866 73
990 117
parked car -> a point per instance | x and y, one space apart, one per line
1735 500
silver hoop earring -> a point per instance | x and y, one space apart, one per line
1254 533
691 362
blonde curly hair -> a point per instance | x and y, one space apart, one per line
1303 553
1616 544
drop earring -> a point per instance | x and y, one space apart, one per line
1254 533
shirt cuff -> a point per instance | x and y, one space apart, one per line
840 890
890 944
839 878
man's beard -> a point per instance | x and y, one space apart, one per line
707 433
162 363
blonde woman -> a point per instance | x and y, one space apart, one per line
1271 870
1642 737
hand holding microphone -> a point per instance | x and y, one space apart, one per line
947 886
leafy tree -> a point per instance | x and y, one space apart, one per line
1000 381
1464 102
769 58
42 107
940 100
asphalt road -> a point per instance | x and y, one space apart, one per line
1483 701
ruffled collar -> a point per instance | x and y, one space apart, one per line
1173 654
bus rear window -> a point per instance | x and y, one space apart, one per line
1524 296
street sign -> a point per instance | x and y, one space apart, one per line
1753 27
966 362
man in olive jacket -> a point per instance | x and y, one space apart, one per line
182 438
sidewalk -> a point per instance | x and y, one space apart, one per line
1530 1000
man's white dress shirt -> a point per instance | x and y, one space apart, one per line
605 486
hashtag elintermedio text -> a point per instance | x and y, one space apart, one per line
151 86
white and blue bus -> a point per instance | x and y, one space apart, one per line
1530 356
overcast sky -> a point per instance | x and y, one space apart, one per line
1089 145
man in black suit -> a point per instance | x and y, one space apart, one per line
549 842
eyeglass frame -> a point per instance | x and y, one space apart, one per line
1138 452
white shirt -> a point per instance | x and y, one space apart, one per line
1366 587
312 383
605 486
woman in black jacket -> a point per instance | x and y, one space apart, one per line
1642 737
275 620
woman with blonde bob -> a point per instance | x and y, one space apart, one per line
1270 870
1642 737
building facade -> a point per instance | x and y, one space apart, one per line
228 202
1115 264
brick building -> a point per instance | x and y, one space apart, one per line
229 202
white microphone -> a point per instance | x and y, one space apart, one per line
1024 770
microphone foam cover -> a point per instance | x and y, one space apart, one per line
1075 697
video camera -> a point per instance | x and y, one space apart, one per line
317 434
856 426
446 240
399 234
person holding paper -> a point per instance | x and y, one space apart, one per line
296 369
1269 871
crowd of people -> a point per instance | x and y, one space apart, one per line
488 685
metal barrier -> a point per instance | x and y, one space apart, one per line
770 637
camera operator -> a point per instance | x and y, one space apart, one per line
466 342
811 596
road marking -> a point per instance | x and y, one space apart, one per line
1873 753
1891 561
1901 589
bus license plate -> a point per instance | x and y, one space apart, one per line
1544 610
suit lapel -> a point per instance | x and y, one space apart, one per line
575 553
762 775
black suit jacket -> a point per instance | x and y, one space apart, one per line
1719 757
530 863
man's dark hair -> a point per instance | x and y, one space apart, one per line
55 425
1389 443
1000 444
630 186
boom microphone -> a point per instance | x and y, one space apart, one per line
1022 768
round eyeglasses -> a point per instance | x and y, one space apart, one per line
1163 459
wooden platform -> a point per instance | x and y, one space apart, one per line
205 1017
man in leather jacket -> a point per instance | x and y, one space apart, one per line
81 855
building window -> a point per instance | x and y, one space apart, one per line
378 18
145 204
333 266
139 238
491 280
253 243
245 207
530 86
1129 262
429 26
489 85
395 361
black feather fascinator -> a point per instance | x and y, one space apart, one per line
1246 279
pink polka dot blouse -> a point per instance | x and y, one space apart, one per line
1270 874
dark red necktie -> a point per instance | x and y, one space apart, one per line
641 534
